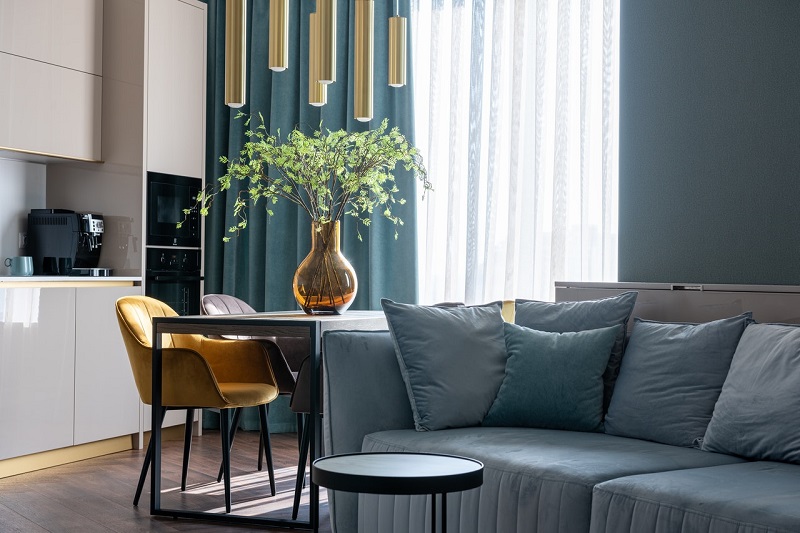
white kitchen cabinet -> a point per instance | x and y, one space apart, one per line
37 364
106 399
48 109
63 33
176 87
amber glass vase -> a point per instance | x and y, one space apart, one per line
325 281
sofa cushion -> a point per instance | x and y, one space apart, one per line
541 478
553 380
561 317
452 360
670 379
752 497
756 415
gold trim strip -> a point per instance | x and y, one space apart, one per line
38 461
48 154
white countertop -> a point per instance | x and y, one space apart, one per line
56 281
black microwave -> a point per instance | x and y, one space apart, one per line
167 196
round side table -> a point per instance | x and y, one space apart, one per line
399 473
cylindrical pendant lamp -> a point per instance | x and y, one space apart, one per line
364 50
326 11
278 35
397 51
235 52
317 92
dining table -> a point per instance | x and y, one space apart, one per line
275 323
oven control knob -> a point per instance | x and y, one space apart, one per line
163 259
173 260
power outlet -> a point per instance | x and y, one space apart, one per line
23 240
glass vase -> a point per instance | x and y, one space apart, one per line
325 281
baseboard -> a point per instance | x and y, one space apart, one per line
38 461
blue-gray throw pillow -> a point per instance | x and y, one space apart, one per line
553 380
670 379
756 415
452 360
562 317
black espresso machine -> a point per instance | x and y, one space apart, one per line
64 243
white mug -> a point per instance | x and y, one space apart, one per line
20 265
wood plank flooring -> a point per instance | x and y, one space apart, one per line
96 495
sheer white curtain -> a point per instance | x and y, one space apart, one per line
516 114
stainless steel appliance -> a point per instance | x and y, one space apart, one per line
172 275
167 196
63 242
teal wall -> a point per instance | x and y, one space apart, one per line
710 141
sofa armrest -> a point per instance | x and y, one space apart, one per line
363 392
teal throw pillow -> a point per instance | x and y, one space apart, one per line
562 317
670 379
756 415
553 380
452 360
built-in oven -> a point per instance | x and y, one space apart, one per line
168 196
172 275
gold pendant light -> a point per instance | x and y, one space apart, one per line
326 10
235 52
317 92
363 51
278 35
397 51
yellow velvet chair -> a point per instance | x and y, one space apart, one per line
197 373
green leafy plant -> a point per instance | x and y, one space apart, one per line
329 174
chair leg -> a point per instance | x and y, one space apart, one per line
299 430
262 413
301 467
187 446
237 413
148 457
225 430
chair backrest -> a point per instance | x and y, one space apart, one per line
225 304
135 317
300 401
294 349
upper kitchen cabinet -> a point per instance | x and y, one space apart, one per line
51 87
176 87
67 34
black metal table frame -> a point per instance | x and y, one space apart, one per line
259 324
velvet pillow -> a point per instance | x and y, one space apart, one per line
553 380
670 379
756 415
452 360
561 317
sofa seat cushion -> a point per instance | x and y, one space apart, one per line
534 479
736 498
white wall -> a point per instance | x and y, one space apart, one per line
23 188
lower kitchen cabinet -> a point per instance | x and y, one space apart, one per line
106 399
65 378
37 369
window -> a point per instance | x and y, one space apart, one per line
516 116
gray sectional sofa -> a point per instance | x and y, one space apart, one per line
558 480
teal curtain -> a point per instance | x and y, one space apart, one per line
259 264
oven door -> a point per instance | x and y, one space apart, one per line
181 292
167 197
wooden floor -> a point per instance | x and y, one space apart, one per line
96 495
